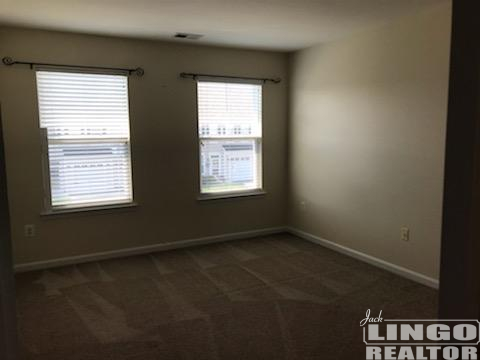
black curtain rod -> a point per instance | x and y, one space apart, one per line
9 62
195 76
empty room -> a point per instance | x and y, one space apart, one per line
214 179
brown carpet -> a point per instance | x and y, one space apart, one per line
276 297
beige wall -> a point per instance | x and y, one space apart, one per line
365 150
367 134
165 154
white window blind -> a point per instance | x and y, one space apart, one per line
86 118
230 133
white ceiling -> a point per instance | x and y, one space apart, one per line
267 24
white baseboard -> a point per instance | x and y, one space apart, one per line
71 260
398 270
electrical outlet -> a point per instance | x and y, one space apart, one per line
405 234
29 230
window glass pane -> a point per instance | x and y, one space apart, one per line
85 173
77 105
229 165
229 109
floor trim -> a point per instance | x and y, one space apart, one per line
398 270
71 260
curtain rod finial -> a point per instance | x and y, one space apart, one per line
139 71
7 60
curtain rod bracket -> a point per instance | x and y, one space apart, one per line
8 61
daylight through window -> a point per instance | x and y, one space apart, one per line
87 135
230 132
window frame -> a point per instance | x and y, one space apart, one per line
48 207
260 189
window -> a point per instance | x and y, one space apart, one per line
85 118
230 133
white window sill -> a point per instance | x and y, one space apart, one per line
73 210
231 195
